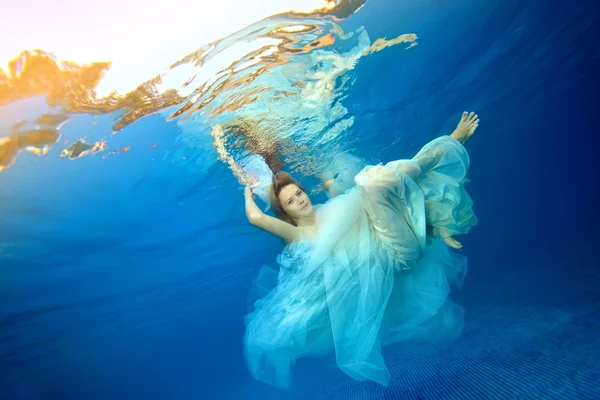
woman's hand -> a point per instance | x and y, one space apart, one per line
248 190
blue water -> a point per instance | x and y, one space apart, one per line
128 277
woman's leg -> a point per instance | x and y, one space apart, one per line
440 166
396 208
451 161
431 154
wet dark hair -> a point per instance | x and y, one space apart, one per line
281 180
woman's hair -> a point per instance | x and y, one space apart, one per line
281 180
257 141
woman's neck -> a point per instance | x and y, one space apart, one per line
308 221
308 225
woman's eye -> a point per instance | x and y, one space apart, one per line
298 192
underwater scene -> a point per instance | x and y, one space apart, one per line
318 199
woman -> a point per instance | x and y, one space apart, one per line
366 269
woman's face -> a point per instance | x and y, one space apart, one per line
295 202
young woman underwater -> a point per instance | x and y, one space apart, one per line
369 268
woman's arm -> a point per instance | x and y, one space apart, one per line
326 185
277 227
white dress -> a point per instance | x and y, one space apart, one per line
376 274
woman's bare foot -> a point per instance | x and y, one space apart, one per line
466 127
450 241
